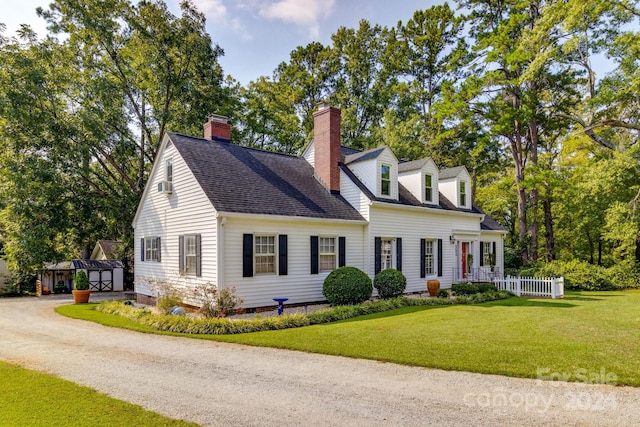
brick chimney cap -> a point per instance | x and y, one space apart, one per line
218 118
323 105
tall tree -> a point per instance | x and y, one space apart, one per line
121 75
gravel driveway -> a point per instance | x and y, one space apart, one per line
217 384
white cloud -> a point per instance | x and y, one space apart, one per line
304 13
213 9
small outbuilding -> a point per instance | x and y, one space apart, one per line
104 275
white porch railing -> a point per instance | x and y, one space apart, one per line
532 286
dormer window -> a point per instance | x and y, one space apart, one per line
463 194
385 180
428 188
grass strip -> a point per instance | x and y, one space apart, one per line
33 399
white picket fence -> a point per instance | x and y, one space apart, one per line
532 286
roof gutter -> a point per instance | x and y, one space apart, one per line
289 218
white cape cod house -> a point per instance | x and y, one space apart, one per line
275 225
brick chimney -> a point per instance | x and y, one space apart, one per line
326 136
217 129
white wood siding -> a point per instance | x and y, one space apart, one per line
309 154
450 188
354 196
299 285
186 211
413 225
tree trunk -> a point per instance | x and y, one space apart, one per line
548 227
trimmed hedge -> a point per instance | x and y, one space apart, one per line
347 285
222 326
464 289
390 283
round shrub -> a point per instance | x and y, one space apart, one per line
390 283
464 289
347 285
443 293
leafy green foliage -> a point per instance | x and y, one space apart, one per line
82 281
347 285
581 275
464 289
166 302
221 326
390 283
444 293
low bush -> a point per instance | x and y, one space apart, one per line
444 293
464 289
390 283
347 285
82 281
486 287
222 326
167 302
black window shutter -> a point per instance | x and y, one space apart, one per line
440 257
378 254
198 255
342 251
399 253
423 274
494 252
315 255
159 246
247 255
282 255
181 254
481 254
142 249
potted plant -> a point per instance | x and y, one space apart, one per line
81 291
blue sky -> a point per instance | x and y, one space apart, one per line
257 35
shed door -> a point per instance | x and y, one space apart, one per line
101 280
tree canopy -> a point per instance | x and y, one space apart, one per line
508 89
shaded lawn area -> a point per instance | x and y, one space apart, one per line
582 335
31 398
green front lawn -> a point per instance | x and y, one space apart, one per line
29 398
584 334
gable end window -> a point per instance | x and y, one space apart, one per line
463 193
190 254
150 249
385 180
428 188
169 170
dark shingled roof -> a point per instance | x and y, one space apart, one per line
244 180
363 155
450 172
412 165
94 264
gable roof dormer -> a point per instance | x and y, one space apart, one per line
377 169
455 185
421 178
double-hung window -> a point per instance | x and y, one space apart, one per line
190 255
151 249
429 258
385 180
386 254
463 194
265 254
487 253
428 188
327 253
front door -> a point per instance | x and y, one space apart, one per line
464 252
